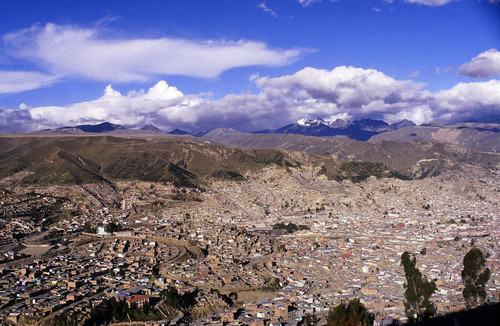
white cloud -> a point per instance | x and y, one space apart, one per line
431 3
15 120
356 93
136 108
265 8
418 114
91 53
348 87
486 64
307 3
20 81
347 92
464 101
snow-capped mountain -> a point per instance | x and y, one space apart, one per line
358 129
311 122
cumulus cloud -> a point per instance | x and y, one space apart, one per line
91 53
344 92
355 91
133 109
16 120
20 81
465 101
486 64
368 93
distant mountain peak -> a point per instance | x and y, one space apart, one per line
358 129
338 123
178 132
311 122
97 128
223 131
151 127
403 123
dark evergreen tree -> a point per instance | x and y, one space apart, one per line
112 227
310 320
352 314
475 276
87 227
171 297
418 291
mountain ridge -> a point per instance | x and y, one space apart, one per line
96 159
414 158
362 129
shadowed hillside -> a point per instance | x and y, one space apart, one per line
94 159
418 159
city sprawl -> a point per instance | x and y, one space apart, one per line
279 246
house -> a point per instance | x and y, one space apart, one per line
137 300
227 315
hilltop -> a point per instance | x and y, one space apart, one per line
90 159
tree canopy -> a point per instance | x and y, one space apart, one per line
418 291
352 314
475 276
112 227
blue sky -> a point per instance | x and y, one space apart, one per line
246 64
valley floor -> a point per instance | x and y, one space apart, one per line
279 245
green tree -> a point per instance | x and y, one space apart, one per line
112 227
310 320
418 291
352 314
171 297
475 276
87 227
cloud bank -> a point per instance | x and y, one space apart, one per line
91 53
486 64
343 92
135 108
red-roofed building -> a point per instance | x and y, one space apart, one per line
137 300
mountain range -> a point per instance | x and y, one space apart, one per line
484 137
358 129
411 150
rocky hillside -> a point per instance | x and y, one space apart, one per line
477 136
414 158
104 159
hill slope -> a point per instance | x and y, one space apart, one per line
476 136
414 158
94 159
